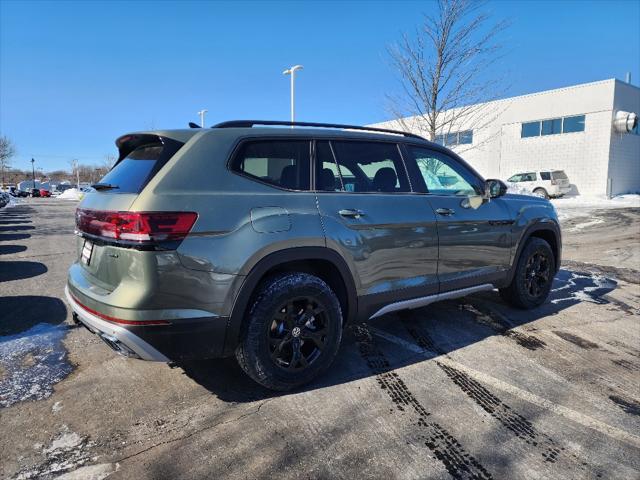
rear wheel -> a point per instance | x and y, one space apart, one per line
533 277
541 192
294 331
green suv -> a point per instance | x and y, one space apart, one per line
264 242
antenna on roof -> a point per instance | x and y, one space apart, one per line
193 125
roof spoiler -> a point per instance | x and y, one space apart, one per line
251 123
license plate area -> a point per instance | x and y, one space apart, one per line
87 251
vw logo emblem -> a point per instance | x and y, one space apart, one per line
295 332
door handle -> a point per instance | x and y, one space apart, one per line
351 212
445 212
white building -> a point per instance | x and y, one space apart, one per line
582 130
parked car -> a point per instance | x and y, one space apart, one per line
44 193
4 199
543 183
13 191
35 192
264 243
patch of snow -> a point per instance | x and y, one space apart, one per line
581 287
71 194
66 441
582 206
587 224
56 407
32 380
91 472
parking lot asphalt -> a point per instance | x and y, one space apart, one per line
461 389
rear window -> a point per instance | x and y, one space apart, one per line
136 169
559 175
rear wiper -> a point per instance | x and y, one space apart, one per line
104 186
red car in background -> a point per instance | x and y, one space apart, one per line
45 193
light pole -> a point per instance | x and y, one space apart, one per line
33 172
201 113
75 167
292 71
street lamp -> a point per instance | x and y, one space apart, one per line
292 71
33 172
201 113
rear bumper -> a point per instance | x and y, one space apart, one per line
178 339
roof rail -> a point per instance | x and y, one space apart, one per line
251 123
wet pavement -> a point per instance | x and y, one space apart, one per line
461 389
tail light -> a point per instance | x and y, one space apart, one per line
136 227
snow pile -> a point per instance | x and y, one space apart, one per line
581 205
71 194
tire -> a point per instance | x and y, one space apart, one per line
541 192
531 281
295 319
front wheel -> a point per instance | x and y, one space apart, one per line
293 333
533 277
540 192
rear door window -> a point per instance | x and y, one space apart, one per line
443 175
282 163
137 168
545 175
371 167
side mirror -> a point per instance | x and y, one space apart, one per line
494 188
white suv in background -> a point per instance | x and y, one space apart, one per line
543 183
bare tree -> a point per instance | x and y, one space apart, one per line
7 150
445 70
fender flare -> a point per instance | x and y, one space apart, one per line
236 319
547 225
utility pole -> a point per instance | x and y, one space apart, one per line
202 113
33 172
292 71
75 167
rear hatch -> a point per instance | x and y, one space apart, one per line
115 244
558 177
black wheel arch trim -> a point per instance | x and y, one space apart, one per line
538 226
273 260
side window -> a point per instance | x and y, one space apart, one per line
515 179
327 175
371 167
283 163
443 175
545 175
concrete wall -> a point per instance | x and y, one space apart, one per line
498 150
624 153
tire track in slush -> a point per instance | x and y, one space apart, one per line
446 448
490 403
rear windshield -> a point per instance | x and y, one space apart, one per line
559 175
135 170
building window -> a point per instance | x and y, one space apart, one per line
457 138
531 129
552 127
573 124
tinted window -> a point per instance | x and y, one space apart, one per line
135 170
327 174
528 177
440 139
559 175
451 139
573 124
552 127
282 163
443 175
375 167
531 129
545 175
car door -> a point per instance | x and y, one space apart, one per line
386 233
474 234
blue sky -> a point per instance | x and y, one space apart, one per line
76 75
